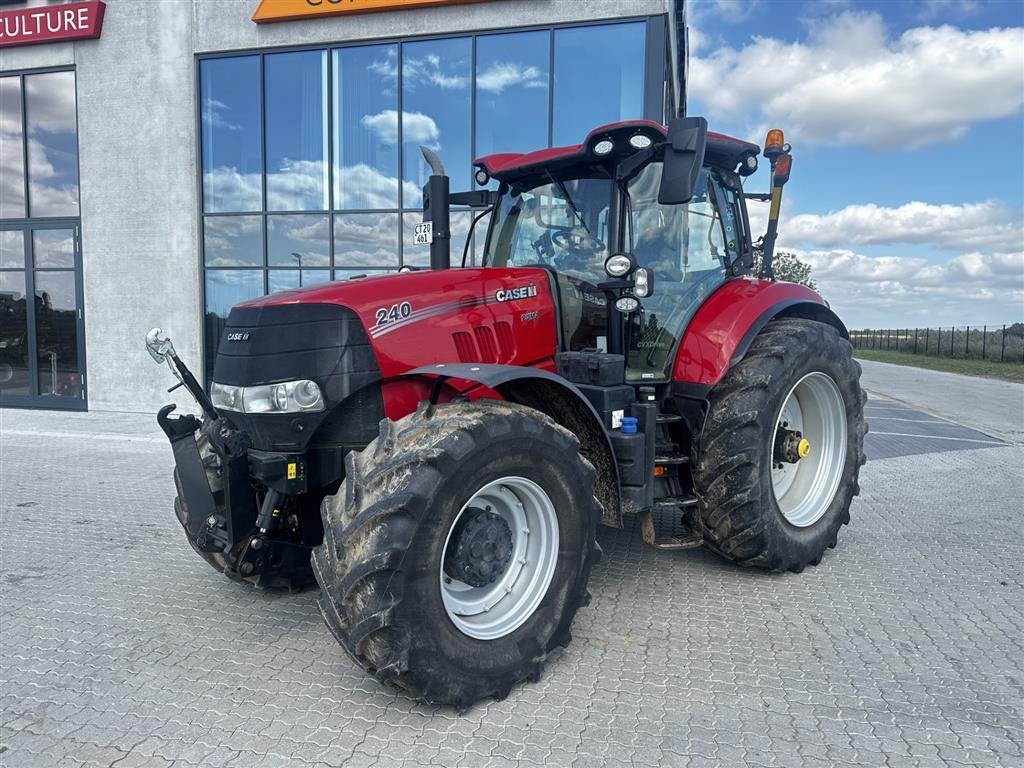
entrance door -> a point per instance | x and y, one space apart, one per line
42 340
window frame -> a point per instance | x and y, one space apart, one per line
654 71
28 224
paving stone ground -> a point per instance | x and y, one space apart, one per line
119 647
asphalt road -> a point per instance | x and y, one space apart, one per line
119 647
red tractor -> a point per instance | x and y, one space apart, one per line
436 447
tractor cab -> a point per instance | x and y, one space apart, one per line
629 264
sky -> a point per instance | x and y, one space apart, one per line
906 121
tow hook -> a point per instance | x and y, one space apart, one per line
790 446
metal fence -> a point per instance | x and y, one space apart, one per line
987 342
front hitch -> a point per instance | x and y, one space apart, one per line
162 351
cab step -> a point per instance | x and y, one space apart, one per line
692 536
670 459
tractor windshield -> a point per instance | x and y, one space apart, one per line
563 224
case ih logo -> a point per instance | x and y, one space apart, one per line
516 293
49 24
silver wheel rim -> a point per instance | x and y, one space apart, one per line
804 490
496 609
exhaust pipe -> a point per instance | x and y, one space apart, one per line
436 212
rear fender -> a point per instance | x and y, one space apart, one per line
724 327
546 392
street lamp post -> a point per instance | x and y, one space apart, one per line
298 257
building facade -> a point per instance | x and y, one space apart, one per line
188 157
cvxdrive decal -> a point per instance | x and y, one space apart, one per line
512 294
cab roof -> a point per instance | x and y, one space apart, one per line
722 150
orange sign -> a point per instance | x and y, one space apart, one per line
289 10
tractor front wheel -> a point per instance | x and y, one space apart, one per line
782 447
457 550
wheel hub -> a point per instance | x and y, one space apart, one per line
790 446
480 548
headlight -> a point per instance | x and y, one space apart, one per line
627 304
603 147
639 141
619 265
642 283
287 397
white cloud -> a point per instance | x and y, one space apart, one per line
503 74
850 83
983 226
416 127
889 291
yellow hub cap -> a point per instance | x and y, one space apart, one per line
803 448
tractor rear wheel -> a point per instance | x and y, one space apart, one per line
782 447
293 580
457 550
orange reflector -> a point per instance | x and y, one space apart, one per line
659 471
775 139
782 166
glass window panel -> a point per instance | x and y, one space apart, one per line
51 118
12 155
12 249
512 92
286 279
435 112
298 241
230 117
599 78
14 376
296 125
224 289
57 334
366 240
233 241
366 127
419 255
53 248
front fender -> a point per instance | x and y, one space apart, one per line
723 328
557 397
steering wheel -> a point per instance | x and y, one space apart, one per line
576 240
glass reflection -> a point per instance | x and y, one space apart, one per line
286 279
56 308
589 94
298 241
12 154
224 289
14 372
233 241
51 117
12 249
230 117
512 92
53 248
296 126
419 255
366 240
435 112
366 127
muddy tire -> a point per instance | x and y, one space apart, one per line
798 379
393 537
292 581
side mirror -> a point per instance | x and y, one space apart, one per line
684 157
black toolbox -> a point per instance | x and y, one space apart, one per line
607 400
596 368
